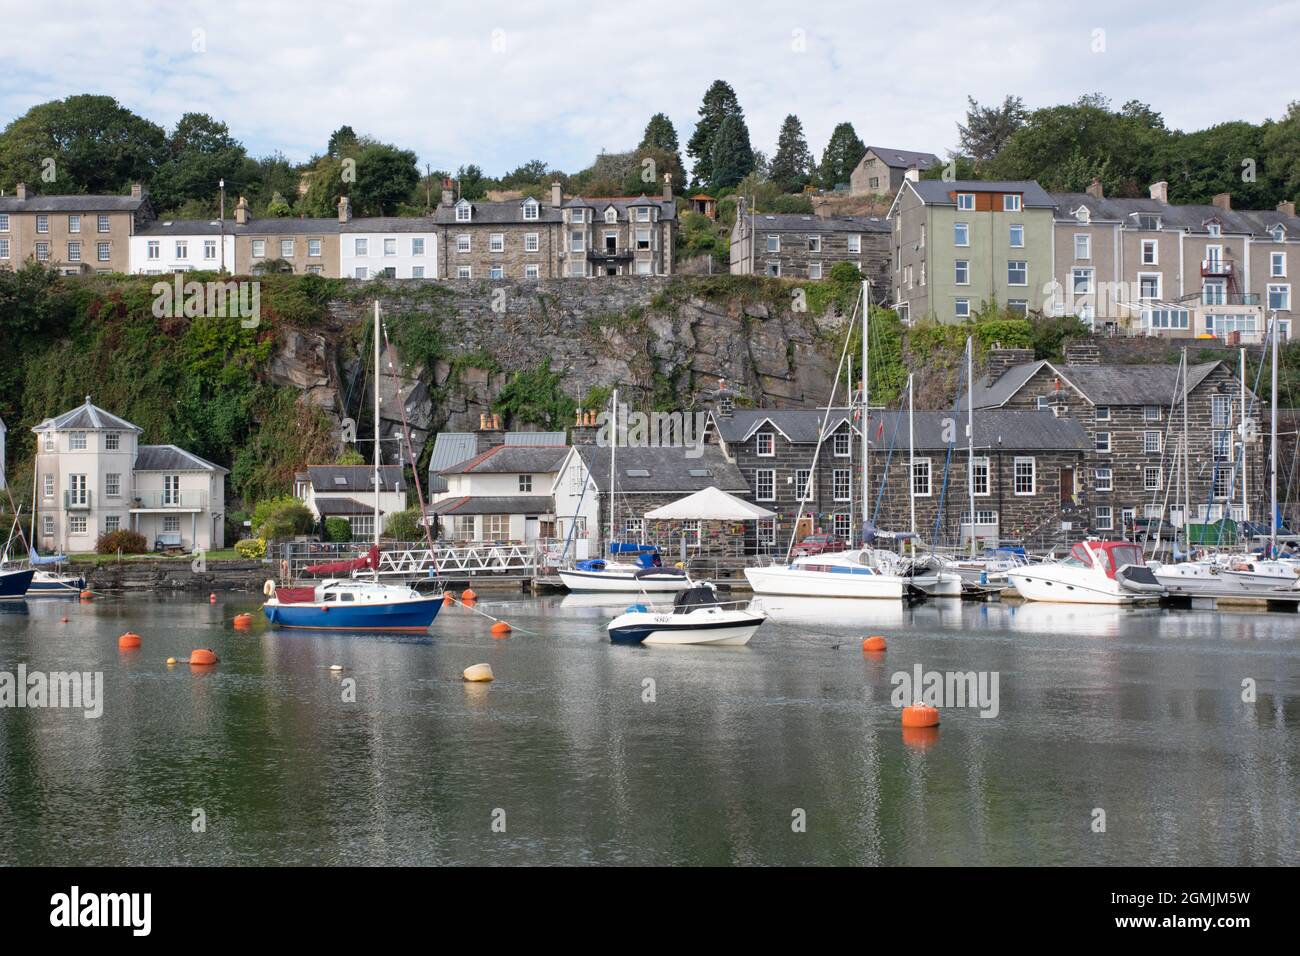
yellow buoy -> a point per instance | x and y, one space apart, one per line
479 673
171 660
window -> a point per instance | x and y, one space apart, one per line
153 249
4 248
979 469
1277 264
1017 236
77 441
4 222
1104 520
1222 445
766 531
842 525
464 272
42 252
42 223
112 522
765 443
814 270
962 309
74 223
1101 479
112 485
960 234
50 441
101 224
112 441
1214 292
47 525
611 214
1024 476
286 248
209 248
463 242
532 242
1149 285
171 490
577 216
643 239
1041 403
525 482
76 524
1166 318
259 248
463 211
634 529
77 493
315 270
530 209
773 243
841 487
814 243
532 271
1011 203
417 272
1220 410
1101 441
803 484
1150 252
313 248
764 484
1222 480
1017 272
1279 298
921 477
842 443
773 269
362 272
360 247
48 486
691 531
497 242
966 201
1018 306
643 267
1150 479
577 241
1082 246
855 245
1081 281
961 272
497 272
1279 234
1214 229
74 252
1151 442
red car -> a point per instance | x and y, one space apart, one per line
818 544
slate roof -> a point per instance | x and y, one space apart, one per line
495 505
449 448
903 158
500 213
390 224
1192 218
797 222
667 207
936 192
344 506
171 458
88 203
512 459
1100 384
255 227
353 478
88 417
798 425
667 469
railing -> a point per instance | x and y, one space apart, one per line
415 561
1216 267
180 500
76 500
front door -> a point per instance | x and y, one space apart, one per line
1067 486
531 529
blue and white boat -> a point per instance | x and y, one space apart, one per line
646 574
14 583
53 583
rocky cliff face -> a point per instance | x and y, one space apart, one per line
662 342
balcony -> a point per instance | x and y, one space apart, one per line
610 253
169 501
76 500
1217 267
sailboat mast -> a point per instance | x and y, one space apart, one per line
1187 474
866 405
1244 512
613 446
1272 465
911 459
35 512
376 568
970 435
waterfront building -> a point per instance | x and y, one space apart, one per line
503 493
76 234
348 492
796 246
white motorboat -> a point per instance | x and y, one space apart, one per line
1191 577
1256 575
860 573
1094 572
695 617
599 575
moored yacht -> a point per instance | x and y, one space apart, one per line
1094 572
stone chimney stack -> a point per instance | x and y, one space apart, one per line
448 193
1095 190
1082 353
1222 201
241 212
1160 192
21 191
1286 207
345 209
1000 359
137 191
668 187
557 195
490 434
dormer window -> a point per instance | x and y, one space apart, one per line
530 209
464 211
1147 221
1279 234
611 215
1082 214
1214 229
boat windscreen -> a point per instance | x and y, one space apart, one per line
694 597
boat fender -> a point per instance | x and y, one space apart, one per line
269 587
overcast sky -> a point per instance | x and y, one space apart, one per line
502 83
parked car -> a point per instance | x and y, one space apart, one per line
818 544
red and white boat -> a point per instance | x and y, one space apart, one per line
1094 572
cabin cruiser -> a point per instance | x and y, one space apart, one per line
1094 572
647 574
992 569
860 573
1254 574
349 604
696 617
1191 577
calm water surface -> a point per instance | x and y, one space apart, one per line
1136 712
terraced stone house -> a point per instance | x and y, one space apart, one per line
73 234
796 246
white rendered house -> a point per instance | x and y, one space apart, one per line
393 247
348 491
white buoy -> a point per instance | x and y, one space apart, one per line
336 667
479 672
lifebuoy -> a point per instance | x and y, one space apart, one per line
269 587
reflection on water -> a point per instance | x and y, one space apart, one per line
603 753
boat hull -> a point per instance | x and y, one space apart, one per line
1039 587
15 584
45 584
624 583
1254 581
792 582
650 628
400 616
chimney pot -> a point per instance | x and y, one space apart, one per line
913 175
448 193
1222 201
1160 192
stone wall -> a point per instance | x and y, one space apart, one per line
177 575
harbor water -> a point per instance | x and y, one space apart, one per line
1120 736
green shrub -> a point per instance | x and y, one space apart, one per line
251 548
404 525
338 529
128 542
280 518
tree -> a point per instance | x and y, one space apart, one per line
733 157
792 166
1198 165
660 133
1280 147
341 140
842 154
405 525
988 128
97 146
719 102
650 164
200 153
278 207
276 519
337 529
472 184
386 177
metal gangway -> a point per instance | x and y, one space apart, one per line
406 561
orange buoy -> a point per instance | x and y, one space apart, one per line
243 621
500 629
87 595
128 640
63 620
203 657
920 738
448 598
920 715
468 595
212 599
875 644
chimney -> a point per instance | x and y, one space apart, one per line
999 360
137 191
668 187
345 209
912 175
21 191
1082 353
448 193
490 433
1095 190
1222 201
1286 207
1160 192
241 212
557 196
